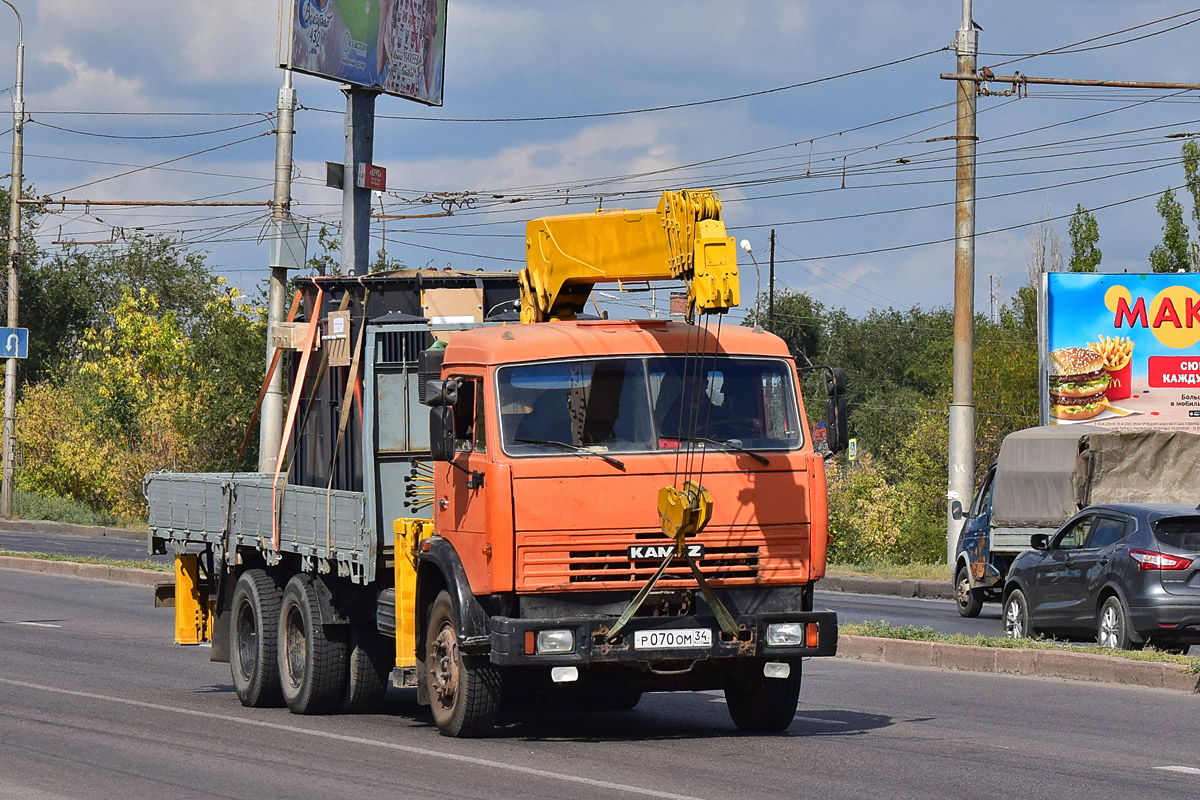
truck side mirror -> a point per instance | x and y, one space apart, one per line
441 433
442 393
836 425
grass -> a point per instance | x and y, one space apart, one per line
108 562
886 630
924 572
28 505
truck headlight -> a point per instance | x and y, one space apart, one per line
556 641
785 634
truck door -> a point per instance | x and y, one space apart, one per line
462 500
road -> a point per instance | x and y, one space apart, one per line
96 701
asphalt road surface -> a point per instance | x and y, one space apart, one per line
95 701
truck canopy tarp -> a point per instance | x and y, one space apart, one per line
1046 474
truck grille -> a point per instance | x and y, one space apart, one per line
736 563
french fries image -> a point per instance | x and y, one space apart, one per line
1116 350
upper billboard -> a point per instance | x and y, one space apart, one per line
396 46
1144 332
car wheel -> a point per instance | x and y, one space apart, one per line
970 601
1016 616
1112 627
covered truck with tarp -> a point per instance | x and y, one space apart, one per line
1044 475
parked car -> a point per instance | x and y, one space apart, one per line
1127 574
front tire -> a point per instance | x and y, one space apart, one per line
253 634
1112 625
970 601
464 692
312 663
758 704
1016 616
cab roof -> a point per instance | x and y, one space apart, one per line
596 338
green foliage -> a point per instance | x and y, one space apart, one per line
1085 236
1172 254
145 384
29 505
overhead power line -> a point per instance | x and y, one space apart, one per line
653 109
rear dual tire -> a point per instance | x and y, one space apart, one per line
253 634
312 657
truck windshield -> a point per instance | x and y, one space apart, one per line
644 404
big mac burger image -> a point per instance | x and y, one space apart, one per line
1077 383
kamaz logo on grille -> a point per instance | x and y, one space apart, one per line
645 552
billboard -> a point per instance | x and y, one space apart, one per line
1144 328
396 46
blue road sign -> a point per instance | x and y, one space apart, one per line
14 342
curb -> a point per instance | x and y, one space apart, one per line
98 572
1006 661
67 529
923 589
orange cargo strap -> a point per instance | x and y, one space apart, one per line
306 345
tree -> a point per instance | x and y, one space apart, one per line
1085 235
1172 254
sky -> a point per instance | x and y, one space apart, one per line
144 100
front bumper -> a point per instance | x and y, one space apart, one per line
508 639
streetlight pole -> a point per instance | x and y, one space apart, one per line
14 255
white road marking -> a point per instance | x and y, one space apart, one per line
823 721
1185 770
30 624
420 751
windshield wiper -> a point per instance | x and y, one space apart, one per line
579 450
759 457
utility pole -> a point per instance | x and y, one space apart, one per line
771 286
270 424
962 402
968 83
14 259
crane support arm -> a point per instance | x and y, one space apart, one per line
683 239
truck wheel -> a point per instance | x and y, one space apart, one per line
369 665
970 601
312 664
254 621
464 692
762 704
1016 616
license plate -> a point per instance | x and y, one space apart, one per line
677 638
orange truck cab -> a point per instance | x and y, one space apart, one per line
552 449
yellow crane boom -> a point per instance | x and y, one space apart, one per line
683 239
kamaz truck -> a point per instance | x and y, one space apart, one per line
560 510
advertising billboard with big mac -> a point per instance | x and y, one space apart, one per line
1122 351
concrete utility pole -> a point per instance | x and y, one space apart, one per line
14 258
962 402
270 427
